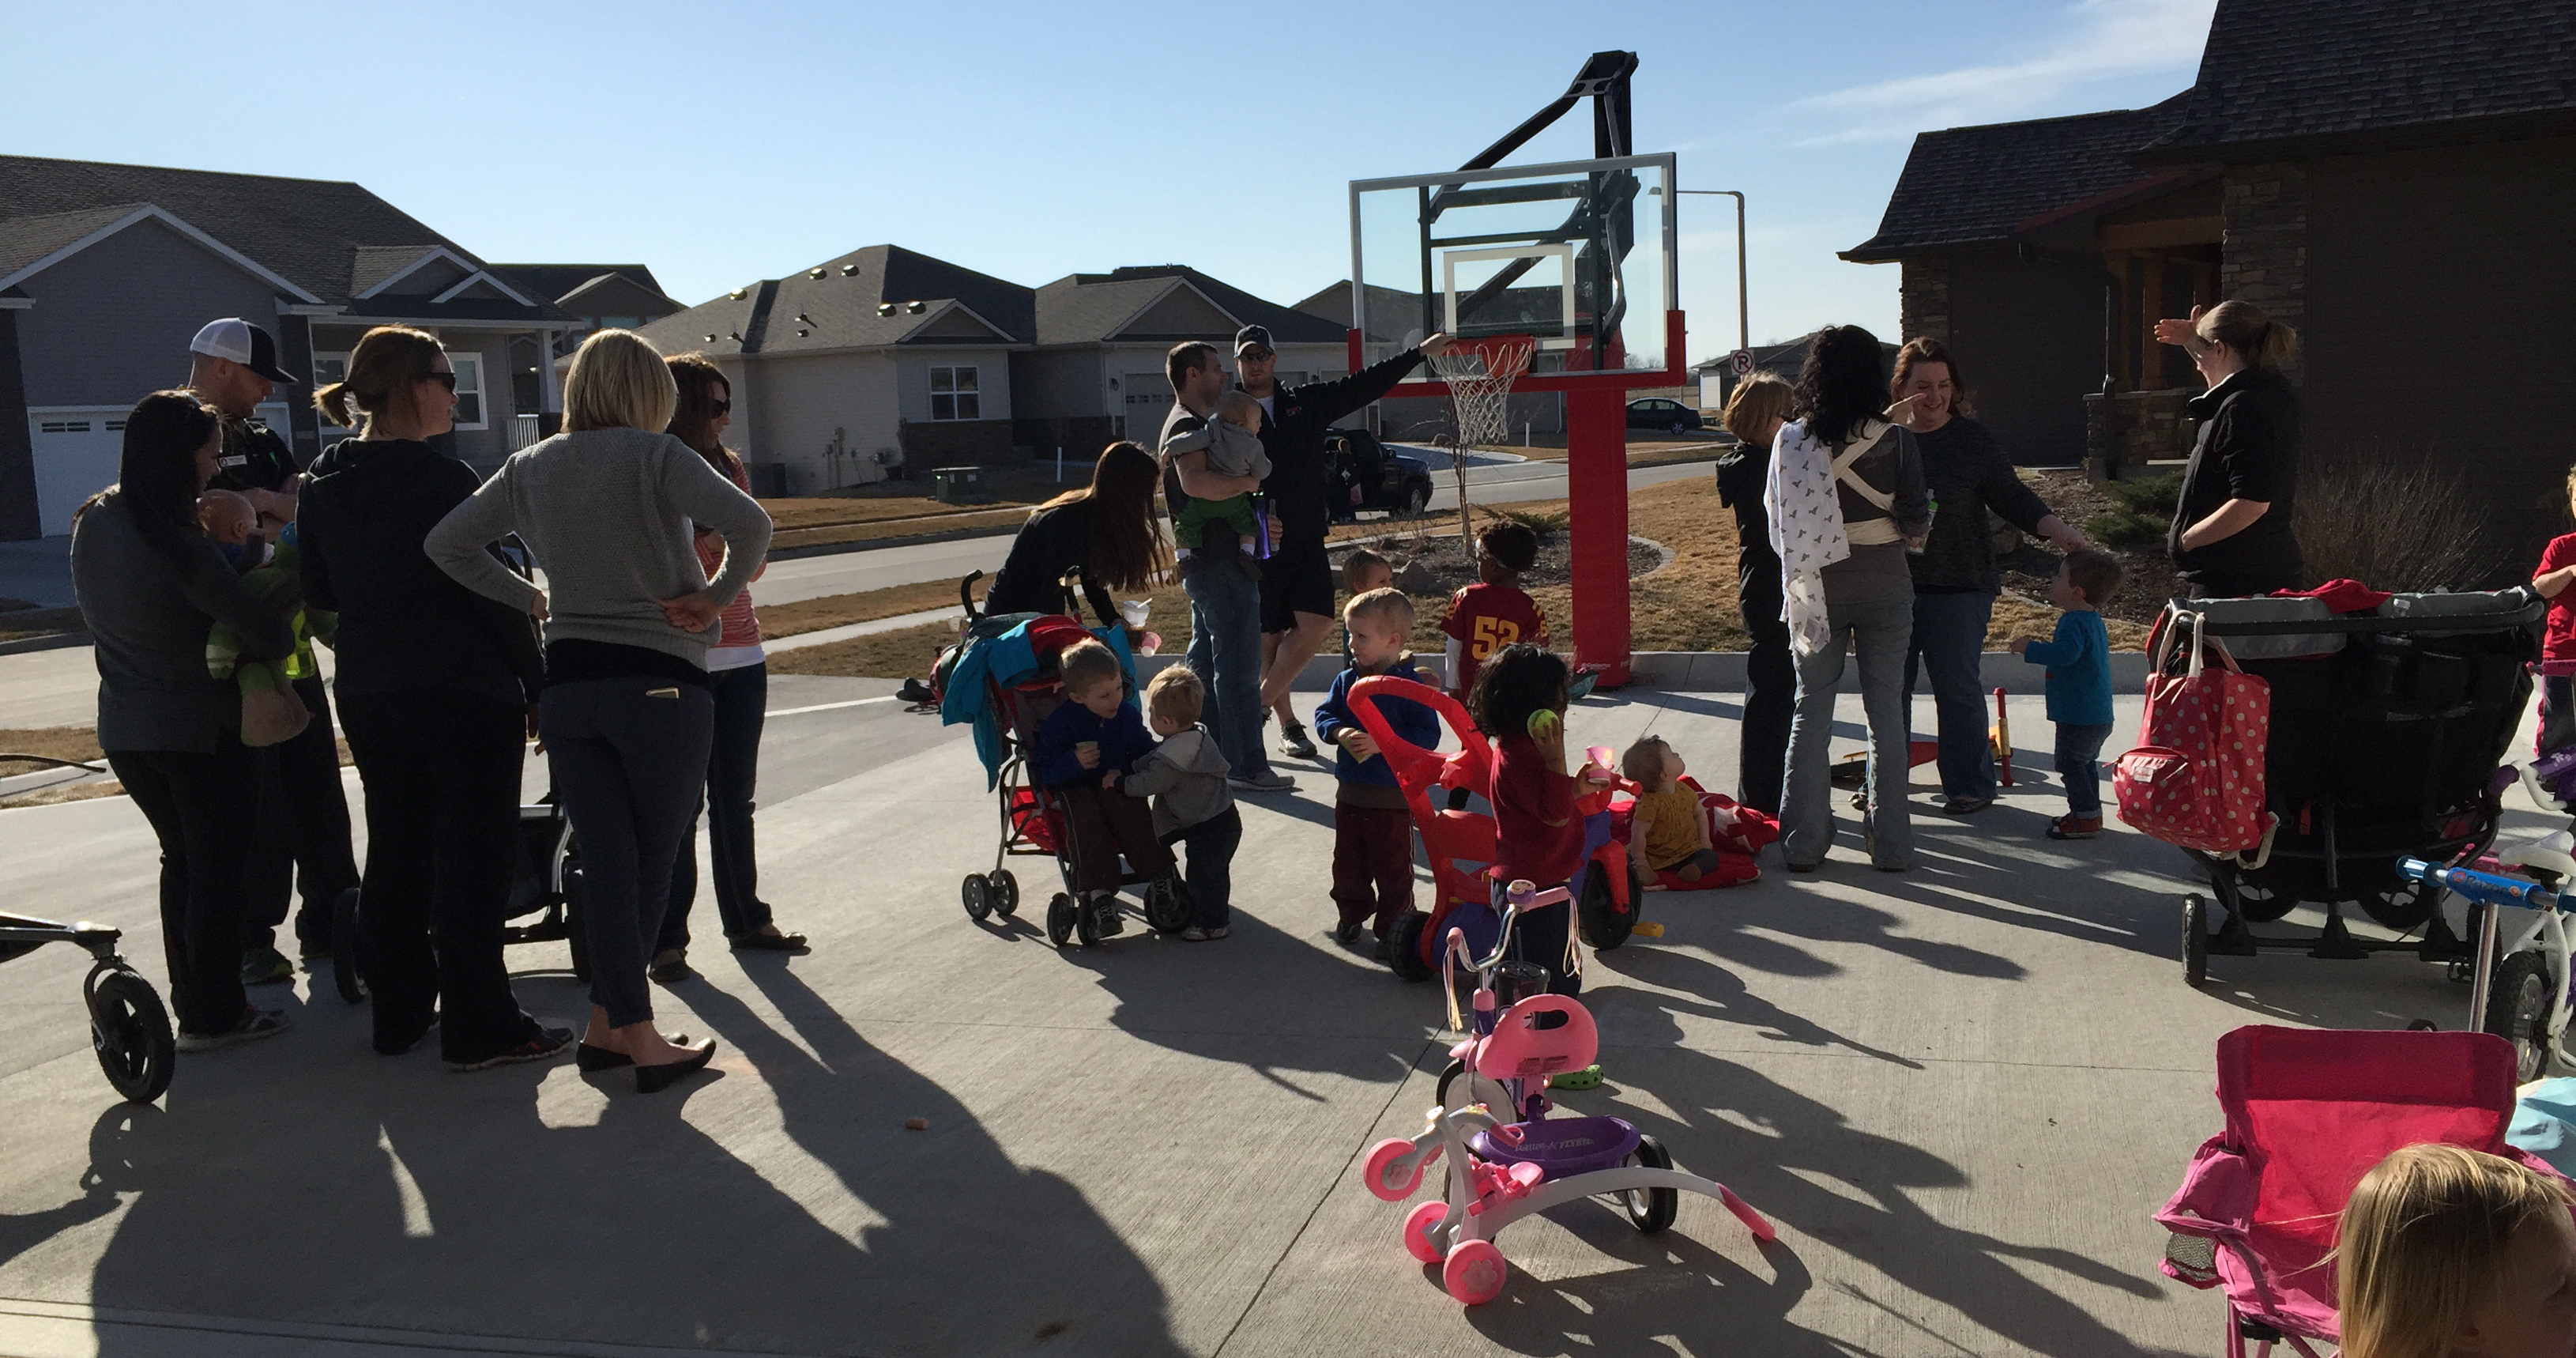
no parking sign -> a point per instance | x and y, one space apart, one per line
1740 362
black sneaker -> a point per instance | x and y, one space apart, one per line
1347 933
1105 919
255 1024
266 966
1293 741
545 1044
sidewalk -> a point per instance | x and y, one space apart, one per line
1958 1091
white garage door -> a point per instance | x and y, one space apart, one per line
77 449
1145 399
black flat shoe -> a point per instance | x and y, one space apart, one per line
767 942
589 1057
655 1079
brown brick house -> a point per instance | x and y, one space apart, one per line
2397 180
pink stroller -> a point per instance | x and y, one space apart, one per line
2308 1113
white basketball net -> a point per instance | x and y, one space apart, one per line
1480 380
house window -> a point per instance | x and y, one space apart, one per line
327 369
469 390
953 395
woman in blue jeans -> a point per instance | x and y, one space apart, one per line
1845 501
738 676
1955 576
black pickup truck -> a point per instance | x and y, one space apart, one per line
1360 473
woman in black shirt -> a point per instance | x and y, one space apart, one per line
1754 414
1107 528
2231 535
435 683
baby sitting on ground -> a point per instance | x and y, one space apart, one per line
1233 444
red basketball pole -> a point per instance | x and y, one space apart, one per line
1596 477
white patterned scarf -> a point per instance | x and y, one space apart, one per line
1806 520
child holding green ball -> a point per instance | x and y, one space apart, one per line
1519 699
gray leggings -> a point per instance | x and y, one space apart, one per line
629 758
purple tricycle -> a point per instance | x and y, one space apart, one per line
1503 1170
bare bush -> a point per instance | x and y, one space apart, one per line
2397 521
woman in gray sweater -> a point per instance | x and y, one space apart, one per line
609 508
151 585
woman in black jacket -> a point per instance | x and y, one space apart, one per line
435 686
1754 414
151 585
1107 528
2231 535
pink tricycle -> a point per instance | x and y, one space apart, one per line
1501 1170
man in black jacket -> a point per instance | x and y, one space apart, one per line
1297 580
303 816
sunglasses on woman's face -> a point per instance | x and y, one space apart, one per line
719 407
447 380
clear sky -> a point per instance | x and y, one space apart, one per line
719 143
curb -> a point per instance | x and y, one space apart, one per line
1723 672
56 642
909 540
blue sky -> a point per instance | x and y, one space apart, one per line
723 143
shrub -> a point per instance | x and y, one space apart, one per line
1545 523
2397 521
2144 509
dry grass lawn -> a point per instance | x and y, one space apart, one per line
68 742
1687 606
838 610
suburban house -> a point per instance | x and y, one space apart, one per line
590 297
885 362
2393 179
107 271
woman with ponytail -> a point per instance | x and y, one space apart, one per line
151 586
2231 533
435 685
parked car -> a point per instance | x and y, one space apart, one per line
1367 476
1657 412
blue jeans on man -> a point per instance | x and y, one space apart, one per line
1225 653
1950 646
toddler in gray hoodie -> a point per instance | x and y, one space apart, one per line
1185 775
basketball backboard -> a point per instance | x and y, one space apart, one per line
1577 255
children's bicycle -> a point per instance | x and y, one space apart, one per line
1503 1169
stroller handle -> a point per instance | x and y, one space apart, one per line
2484 888
966 594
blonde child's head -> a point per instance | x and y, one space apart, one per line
1651 763
1238 408
1092 677
1378 621
2446 1252
1364 570
226 517
1173 700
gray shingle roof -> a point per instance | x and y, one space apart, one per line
2277 70
1969 185
24 240
839 309
550 282
1287 324
319 234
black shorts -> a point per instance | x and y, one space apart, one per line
1298 578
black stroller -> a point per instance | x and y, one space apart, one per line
545 892
2387 734
129 1027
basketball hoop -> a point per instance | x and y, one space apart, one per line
1479 374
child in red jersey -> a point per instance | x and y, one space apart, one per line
1493 613
1519 702
2556 572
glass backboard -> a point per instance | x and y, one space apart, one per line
1577 255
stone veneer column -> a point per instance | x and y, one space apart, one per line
1923 298
2264 261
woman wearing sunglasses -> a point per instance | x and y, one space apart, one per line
435 685
738 675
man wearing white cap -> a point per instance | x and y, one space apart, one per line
304 816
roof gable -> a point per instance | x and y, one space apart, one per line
56 231
2279 70
956 321
557 282
1181 312
608 294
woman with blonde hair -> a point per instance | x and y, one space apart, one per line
2231 535
2446 1252
435 685
609 508
1754 414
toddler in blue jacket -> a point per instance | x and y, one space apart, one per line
2079 684
1079 753
1372 829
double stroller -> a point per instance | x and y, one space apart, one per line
2388 728
544 904
1001 677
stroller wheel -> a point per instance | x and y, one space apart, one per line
1060 919
978 896
1168 905
1086 925
1404 947
130 1031
2402 906
1004 891
2195 941
2518 1003
345 975
1651 1209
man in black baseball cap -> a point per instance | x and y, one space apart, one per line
1297 580
303 815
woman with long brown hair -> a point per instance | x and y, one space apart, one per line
738 675
151 585
436 684
1107 528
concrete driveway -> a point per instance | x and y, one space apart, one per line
1958 1091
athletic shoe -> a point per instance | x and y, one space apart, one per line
1965 806
1347 932
546 1044
1105 919
267 966
1268 780
2072 826
671 972
1218 932
1293 741
255 1024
